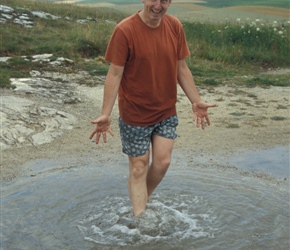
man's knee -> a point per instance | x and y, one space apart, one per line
139 168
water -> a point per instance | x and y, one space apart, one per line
274 161
60 205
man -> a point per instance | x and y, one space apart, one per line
147 52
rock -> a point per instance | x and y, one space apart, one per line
6 9
23 123
44 15
4 59
55 91
27 19
27 24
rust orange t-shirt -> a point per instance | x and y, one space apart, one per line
148 89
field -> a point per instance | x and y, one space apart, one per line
211 10
209 3
224 42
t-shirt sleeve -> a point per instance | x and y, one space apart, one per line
118 49
183 50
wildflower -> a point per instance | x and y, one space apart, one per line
280 32
275 29
219 31
258 29
238 20
257 20
242 27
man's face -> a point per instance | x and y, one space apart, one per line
155 9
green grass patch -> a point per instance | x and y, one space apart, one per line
237 113
278 118
219 52
240 43
230 3
233 125
269 80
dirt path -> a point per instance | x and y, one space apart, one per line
246 118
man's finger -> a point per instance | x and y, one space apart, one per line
98 138
202 123
111 132
92 134
212 105
207 120
104 137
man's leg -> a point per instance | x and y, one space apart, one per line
161 158
137 182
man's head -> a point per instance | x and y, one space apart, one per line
154 10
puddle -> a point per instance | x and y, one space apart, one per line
274 161
61 205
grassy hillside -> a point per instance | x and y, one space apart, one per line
219 51
209 3
230 3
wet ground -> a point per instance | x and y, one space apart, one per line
201 204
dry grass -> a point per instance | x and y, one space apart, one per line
266 10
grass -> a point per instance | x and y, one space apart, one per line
278 118
221 52
240 43
208 3
229 3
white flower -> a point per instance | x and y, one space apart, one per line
238 19
258 29
242 27
275 29
257 20
280 32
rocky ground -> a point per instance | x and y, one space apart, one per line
48 116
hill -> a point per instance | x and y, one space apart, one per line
209 3
211 10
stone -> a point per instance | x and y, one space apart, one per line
23 123
6 9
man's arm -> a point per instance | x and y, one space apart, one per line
186 82
111 88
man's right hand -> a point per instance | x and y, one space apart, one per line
102 127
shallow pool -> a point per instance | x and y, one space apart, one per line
204 205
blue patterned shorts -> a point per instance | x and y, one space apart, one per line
136 139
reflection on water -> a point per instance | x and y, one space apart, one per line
196 207
274 161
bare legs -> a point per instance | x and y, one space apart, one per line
144 179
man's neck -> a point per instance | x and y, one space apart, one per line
150 23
